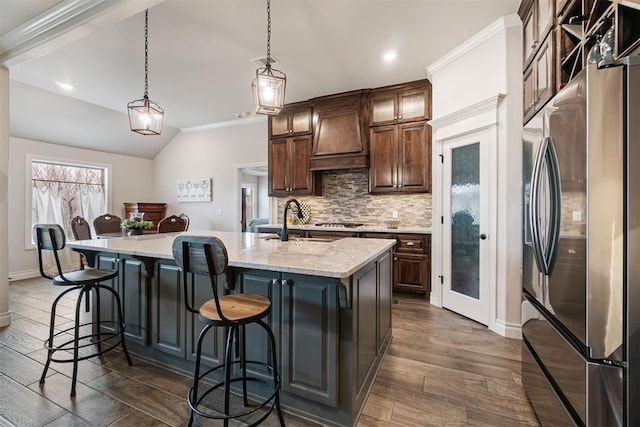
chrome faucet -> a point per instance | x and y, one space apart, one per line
284 234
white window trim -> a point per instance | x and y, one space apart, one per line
29 159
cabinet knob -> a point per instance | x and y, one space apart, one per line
395 117
395 258
411 244
399 117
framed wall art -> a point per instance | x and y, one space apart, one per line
195 190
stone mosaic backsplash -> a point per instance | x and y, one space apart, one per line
345 198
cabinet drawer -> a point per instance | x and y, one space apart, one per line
410 243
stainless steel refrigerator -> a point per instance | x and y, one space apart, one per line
581 251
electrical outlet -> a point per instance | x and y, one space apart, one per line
219 212
394 214
576 216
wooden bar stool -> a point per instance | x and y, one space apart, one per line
51 237
201 255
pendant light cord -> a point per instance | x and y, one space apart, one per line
268 34
146 54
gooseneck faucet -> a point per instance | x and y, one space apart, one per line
284 233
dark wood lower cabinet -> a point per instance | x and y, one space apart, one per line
410 272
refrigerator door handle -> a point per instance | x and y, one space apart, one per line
553 166
534 209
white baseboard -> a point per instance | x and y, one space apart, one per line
21 275
433 300
5 319
507 330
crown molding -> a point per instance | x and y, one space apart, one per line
496 27
486 105
63 23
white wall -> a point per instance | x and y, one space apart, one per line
131 181
486 67
210 153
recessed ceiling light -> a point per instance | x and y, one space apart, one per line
390 55
65 86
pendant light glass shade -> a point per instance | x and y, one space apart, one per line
269 84
268 90
145 116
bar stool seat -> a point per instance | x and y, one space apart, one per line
205 255
59 345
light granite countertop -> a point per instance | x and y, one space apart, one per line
367 228
338 258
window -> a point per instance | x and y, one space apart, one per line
61 191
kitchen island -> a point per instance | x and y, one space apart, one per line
331 311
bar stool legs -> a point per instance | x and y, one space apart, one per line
194 398
98 337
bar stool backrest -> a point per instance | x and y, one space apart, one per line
204 255
80 228
49 237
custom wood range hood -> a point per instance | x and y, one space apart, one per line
341 131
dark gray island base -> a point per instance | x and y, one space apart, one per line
331 332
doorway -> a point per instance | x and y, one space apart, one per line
465 214
253 202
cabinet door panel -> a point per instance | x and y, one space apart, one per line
105 261
410 272
301 178
278 167
545 67
383 159
310 338
213 345
529 91
413 106
169 321
258 346
414 166
383 108
301 121
366 347
385 271
133 296
529 42
279 124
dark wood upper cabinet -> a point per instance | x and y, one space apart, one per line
537 20
400 158
403 103
340 131
289 172
294 119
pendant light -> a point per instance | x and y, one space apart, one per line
145 116
269 84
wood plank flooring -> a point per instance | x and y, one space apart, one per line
442 370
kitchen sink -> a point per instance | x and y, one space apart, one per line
296 238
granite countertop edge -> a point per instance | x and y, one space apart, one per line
335 259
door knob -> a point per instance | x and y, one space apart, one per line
483 236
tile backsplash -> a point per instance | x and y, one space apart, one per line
345 198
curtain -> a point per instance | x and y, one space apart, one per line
92 206
47 205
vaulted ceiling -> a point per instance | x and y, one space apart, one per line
200 58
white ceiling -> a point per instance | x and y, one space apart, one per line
200 54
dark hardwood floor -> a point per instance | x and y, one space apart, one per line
442 370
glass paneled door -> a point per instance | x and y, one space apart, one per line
465 209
